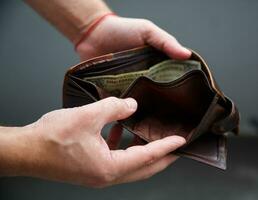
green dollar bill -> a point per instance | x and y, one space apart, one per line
165 71
170 70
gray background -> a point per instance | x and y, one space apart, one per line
34 58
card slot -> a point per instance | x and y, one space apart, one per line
136 64
112 69
99 67
87 87
75 92
92 66
75 95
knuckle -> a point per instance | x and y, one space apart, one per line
147 27
45 120
150 157
117 104
106 176
87 118
115 101
84 116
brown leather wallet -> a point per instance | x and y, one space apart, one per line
191 105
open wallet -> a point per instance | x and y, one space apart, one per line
174 98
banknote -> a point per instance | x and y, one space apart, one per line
164 71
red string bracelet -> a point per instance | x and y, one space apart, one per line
91 28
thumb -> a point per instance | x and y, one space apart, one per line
112 109
165 42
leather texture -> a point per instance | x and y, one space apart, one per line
191 106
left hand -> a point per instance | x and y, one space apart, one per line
115 34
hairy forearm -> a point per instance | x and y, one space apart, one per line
70 17
16 151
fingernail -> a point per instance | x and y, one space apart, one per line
178 139
132 104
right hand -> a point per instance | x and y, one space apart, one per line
67 146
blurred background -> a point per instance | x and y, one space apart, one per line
34 58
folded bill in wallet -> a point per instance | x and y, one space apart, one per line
165 71
174 98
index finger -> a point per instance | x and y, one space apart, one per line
136 157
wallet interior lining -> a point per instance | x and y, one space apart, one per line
164 111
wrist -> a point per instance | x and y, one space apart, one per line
70 17
91 26
16 151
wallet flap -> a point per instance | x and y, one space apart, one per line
209 149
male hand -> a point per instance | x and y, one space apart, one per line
116 33
67 145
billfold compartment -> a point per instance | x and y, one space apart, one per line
190 105
164 108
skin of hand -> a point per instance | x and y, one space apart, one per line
115 33
67 145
